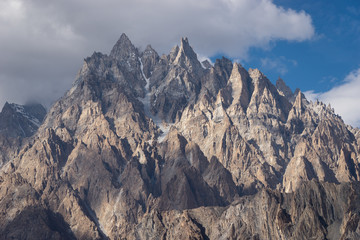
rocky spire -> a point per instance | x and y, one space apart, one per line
206 64
186 57
223 68
123 49
21 120
186 49
101 167
298 104
149 51
173 53
284 90
238 82
149 59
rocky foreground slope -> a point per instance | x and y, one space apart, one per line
165 147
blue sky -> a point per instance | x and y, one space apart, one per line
313 45
325 67
322 62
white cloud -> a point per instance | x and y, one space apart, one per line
344 98
43 42
202 58
311 95
11 10
40 53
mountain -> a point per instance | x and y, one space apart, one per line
165 147
16 123
21 120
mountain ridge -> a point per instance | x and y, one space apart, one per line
144 146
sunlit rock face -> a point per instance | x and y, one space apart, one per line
165 147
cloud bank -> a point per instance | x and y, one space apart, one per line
43 42
345 98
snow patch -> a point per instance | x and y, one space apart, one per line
164 127
117 201
202 58
21 110
202 65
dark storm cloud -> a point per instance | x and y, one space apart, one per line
43 42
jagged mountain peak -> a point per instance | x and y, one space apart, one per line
240 85
123 41
187 57
147 147
34 109
224 67
299 103
21 120
185 45
9 107
206 64
124 49
237 68
149 49
256 74
284 89
238 77
124 38
149 60
173 53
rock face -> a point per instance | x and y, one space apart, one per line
21 120
17 122
149 147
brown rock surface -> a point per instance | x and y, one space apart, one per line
214 153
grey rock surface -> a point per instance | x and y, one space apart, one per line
150 147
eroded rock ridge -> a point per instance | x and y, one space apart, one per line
165 147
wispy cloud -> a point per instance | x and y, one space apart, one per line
344 98
279 64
